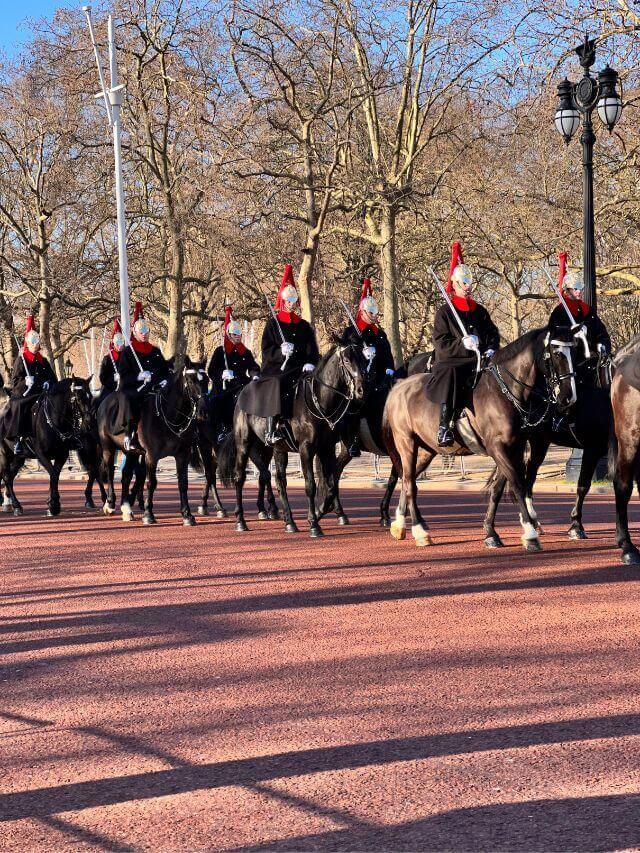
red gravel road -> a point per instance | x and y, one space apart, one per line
184 689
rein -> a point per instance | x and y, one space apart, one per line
44 403
342 408
178 428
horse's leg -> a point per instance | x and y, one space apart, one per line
510 461
12 469
264 486
385 518
538 452
281 459
263 515
108 472
242 457
152 482
587 470
307 455
421 459
127 497
626 466
182 472
492 539
333 490
88 489
53 470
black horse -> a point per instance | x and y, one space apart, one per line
167 427
587 426
520 385
60 420
336 386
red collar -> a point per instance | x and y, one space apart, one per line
578 307
462 304
360 323
115 355
229 346
141 347
32 356
286 317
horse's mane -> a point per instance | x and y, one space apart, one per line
325 358
518 346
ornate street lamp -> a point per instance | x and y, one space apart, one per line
577 100
68 367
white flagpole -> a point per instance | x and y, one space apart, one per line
113 101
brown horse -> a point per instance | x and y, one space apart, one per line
624 445
513 394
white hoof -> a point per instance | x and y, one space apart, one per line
127 512
107 510
421 536
398 531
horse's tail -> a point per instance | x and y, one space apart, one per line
612 455
227 460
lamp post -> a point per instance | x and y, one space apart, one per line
68 367
576 100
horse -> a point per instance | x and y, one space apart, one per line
322 398
60 418
167 427
586 426
370 437
624 442
204 457
514 393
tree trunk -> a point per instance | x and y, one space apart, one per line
390 282
44 321
305 278
515 314
58 362
175 328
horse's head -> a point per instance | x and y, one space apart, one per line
81 400
194 379
559 367
354 367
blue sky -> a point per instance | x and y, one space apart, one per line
13 28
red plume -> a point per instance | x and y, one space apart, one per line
117 328
287 278
456 258
29 327
138 313
562 268
366 289
228 315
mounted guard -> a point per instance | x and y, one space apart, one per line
575 314
232 366
289 349
31 375
142 368
109 369
458 355
366 332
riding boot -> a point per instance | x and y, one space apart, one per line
445 433
131 443
18 447
273 433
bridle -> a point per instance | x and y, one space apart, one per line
77 416
553 379
178 428
331 419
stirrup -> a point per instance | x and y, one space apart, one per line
354 450
131 444
445 437
18 446
274 436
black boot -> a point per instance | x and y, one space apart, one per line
445 433
273 433
18 447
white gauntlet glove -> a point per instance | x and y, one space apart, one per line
227 375
489 353
29 380
369 353
144 376
45 385
307 368
286 349
163 383
471 342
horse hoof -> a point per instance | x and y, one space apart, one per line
423 541
189 521
494 542
316 532
631 558
221 513
273 515
539 529
89 504
7 507
149 519
52 513
577 533
128 516
385 522
343 521
203 510
263 516
108 510
241 527
397 531
17 510
532 545
292 527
